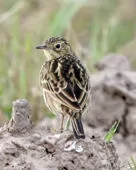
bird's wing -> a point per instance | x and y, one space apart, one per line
82 84
67 82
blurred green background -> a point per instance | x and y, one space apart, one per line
94 28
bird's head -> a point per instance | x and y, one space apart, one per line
55 47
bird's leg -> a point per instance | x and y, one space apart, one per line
67 123
61 123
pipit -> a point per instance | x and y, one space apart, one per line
65 83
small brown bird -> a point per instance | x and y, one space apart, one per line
65 82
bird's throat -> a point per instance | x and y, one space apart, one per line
51 54
48 55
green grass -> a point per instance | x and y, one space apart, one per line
66 13
132 164
95 26
109 136
111 132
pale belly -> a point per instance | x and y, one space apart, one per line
52 103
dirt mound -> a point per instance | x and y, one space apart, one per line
25 147
113 97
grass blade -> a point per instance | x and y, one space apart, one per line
111 132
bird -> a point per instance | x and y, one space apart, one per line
65 83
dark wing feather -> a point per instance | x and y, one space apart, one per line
81 86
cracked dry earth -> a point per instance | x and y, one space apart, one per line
25 147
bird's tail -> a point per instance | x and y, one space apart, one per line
77 127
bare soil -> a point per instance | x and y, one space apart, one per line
113 98
25 147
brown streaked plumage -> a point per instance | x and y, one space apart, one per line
65 82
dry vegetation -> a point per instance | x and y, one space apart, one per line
94 28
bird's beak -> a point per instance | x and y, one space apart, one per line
41 46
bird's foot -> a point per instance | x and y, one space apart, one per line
55 130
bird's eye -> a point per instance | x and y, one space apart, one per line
58 46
